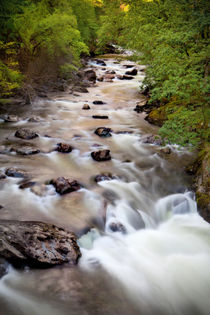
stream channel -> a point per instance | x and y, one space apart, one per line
145 249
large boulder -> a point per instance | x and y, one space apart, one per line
37 243
103 132
101 155
64 185
26 134
64 147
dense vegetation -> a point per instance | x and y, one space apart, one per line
45 38
173 38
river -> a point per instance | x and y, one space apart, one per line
145 249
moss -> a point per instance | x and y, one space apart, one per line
157 116
203 201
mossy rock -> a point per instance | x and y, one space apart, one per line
157 116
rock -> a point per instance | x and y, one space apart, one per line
11 118
64 148
37 243
3 267
124 132
128 66
101 155
152 139
15 172
101 78
64 186
2 175
165 150
90 75
80 89
110 72
27 184
117 227
41 190
86 107
108 80
132 72
34 119
98 103
100 62
25 151
104 176
125 77
103 132
100 117
109 77
26 134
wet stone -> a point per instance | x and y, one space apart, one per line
117 227
2 175
25 185
132 72
98 103
100 62
34 119
104 176
103 132
86 107
11 118
152 139
26 134
101 155
15 172
25 151
37 243
64 148
100 117
64 185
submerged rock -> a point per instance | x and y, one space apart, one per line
34 119
101 155
25 151
27 184
2 175
11 118
64 148
152 139
125 77
132 72
26 134
15 172
104 176
117 227
64 185
86 107
100 117
103 132
37 243
3 267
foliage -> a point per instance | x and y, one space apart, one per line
173 37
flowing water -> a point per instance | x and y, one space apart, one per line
145 249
